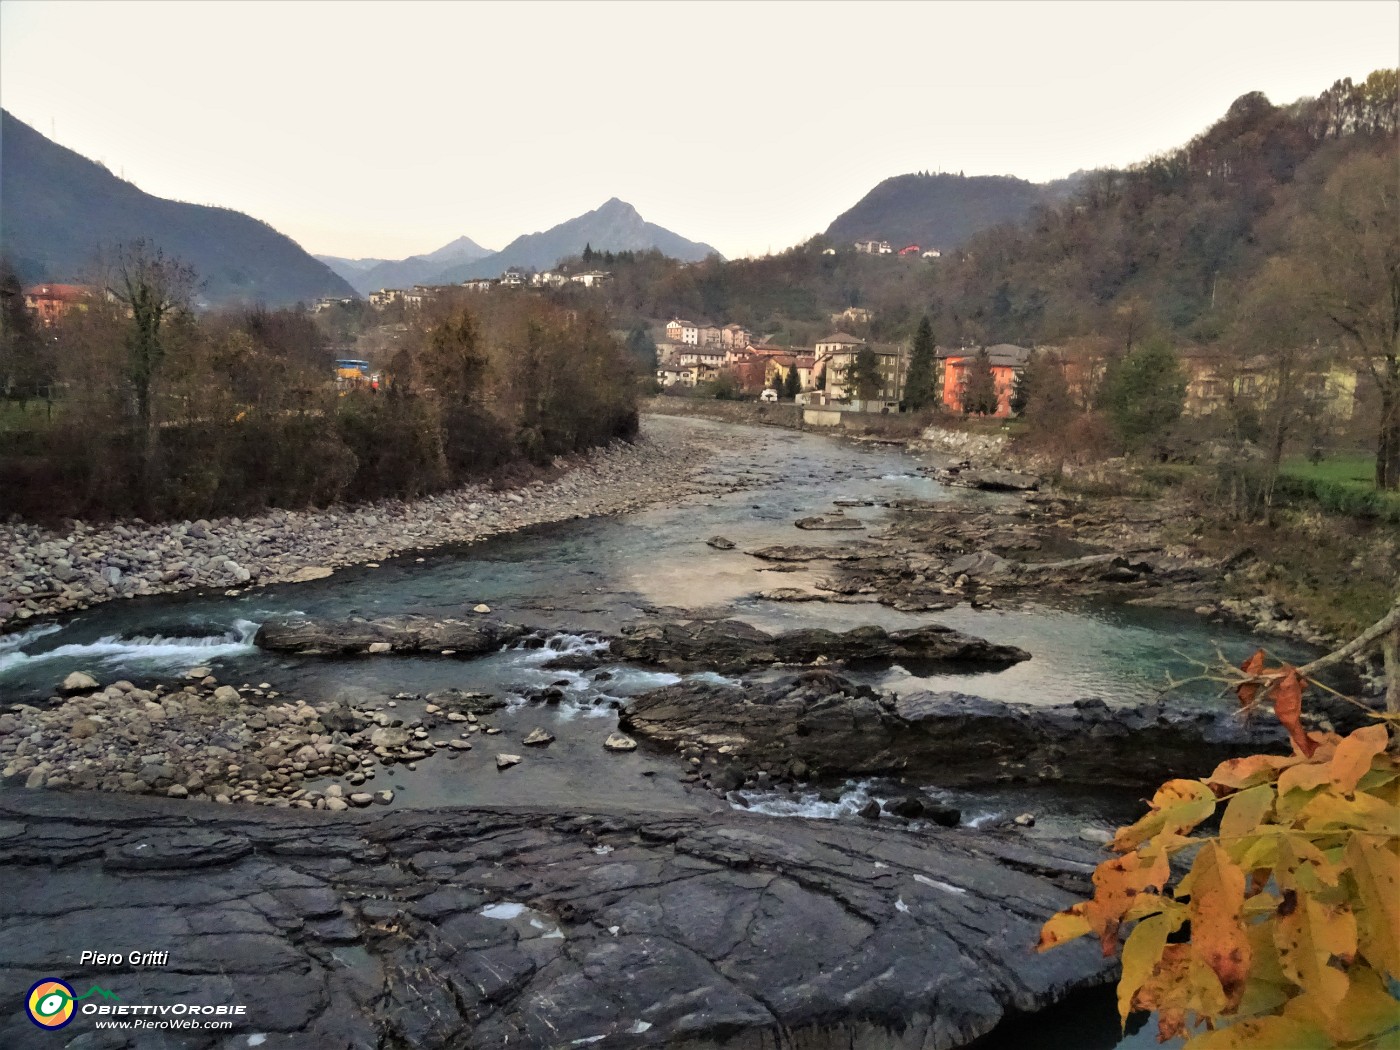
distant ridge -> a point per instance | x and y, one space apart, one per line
369 275
59 209
614 226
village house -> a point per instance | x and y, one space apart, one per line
836 343
385 297
679 331
514 278
875 247
735 336
778 366
480 284
329 303
669 376
710 335
49 302
708 356
1214 380
1007 361
837 365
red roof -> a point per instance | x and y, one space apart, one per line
69 293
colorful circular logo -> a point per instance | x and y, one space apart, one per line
50 1003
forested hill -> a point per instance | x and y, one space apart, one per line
60 209
936 211
1176 241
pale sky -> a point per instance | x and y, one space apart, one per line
388 129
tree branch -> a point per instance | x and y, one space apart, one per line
1387 623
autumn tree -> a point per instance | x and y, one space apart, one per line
918 388
452 361
979 395
1351 246
1280 927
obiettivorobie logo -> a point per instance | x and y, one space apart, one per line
50 1003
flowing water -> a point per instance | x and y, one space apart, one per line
573 578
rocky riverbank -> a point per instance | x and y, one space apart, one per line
44 571
544 929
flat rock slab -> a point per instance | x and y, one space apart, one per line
828 727
444 929
830 524
401 634
727 646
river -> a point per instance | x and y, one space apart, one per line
575 577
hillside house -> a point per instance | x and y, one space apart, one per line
680 331
591 278
853 315
479 284
875 247
385 297
778 366
1214 380
710 335
49 302
514 278
1007 360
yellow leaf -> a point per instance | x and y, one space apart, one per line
1218 937
1353 758
1304 777
1178 806
1364 812
1246 811
1141 952
1063 927
1302 866
1263 1033
1376 868
1308 936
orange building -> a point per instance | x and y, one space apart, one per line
1007 361
49 302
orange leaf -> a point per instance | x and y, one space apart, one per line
1218 937
1353 758
1117 884
1249 690
1288 706
1063 927
1250 770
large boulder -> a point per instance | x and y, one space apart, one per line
403 634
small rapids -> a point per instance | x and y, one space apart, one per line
144 653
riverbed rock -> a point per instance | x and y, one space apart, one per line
403 634
620 742
723 929
835 728
998 480
308 573
729 646
506 761
79 682
538 737
830 523
720 543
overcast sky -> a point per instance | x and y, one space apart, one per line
367 129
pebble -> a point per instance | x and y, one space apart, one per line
506 761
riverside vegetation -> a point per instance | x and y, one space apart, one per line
139 407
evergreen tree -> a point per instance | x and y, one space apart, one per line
1026 380
863 374
1144 393
979 385
640 345
792 385
918 389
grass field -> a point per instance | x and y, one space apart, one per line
1345 484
